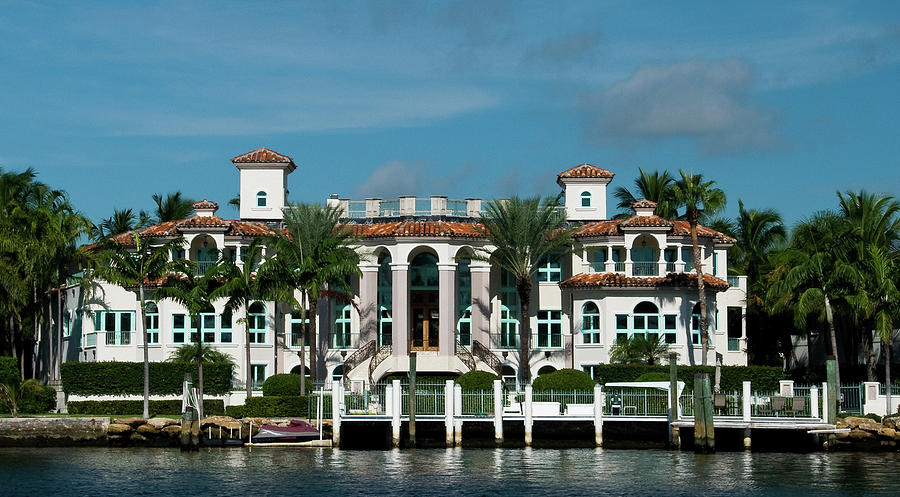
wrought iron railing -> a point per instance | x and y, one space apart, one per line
485 355
362 354
643 268
465 355
638 401
477 402
383 353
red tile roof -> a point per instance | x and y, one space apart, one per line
393 229
264 155
174 228
205 204
619 280
644 203
613 227
585 171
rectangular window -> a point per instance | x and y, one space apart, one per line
735 317
549 329
178 328
257 327
151 322
177 253
225 332
297 330
670 322
257 376
695 329
117 325
621 327
715 264
385 327
597 260
195 328
208 325
687 255
590 327
67 325
340 336
592 370
549 271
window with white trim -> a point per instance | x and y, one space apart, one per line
549 332
646 319
117 325
261 200
340 336
464 325
151 323
585 199
298 330
225 326
256 316
179 325
509 311
590 324
670 327
67 325
621 327
257 376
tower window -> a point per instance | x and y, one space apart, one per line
261 199
585 199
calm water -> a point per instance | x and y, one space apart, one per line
109 471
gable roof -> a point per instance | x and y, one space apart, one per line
614 227
448 229
176 228
264 155
584 171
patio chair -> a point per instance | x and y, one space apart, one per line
798 405
777 404
719 402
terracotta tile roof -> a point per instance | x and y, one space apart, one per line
264 155
585 171
174 228
392 229
612 227
645 221
205 204
644 203
619 280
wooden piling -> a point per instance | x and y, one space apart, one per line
412 399
704 431
673 401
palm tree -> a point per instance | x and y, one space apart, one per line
13 393
194 293
639 349
658 187
698 198
172 207
122 220
316 252
523 232
757 234
187 354
243 285
137 267
811 274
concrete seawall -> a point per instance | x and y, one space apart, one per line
33 432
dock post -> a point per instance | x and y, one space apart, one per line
395 413
814 401
389 401
448 411
498 412
598 415
746 395
747 440
457 411
337 400
673 401
704 431
834 392
412 399
528 411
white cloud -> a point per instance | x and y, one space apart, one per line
705 101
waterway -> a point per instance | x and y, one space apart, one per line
151 472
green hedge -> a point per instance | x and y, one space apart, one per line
40 402
128 407
763 378
477 380
127 378
9 370
268 407
564 379
284 385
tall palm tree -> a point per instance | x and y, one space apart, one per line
194 293
172 207
656 186
135 268
523 232
244 284
757 234
698 198
122 220
316 252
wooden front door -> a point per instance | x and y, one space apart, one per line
425 331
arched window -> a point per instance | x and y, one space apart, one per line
338 373
256 315
585 199
385 300
646 319
261 199
464 301
509 328
546 370
590 323
151 322
508 374
300 370
340 336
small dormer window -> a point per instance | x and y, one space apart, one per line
585 199
261 199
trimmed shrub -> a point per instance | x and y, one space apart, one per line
236 412
9 370
477 380
653 376
564 379
763 378
268 407
41 401
285 385
211 407
127 378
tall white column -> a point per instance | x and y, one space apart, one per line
400 312
745 397
814 401
598 415
396 410
337 401
447 308
498 412
457 412
448 411
528 410
368 303
481 302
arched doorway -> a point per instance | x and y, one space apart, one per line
423 296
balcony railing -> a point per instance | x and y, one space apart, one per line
506 341
344 340
619 267
203 266
356 209
643 268
598 267
733 281
670 267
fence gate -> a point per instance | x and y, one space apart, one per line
851 398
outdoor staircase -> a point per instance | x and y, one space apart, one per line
465 355
378 357
485 355
361 355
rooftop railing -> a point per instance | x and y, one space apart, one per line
408 206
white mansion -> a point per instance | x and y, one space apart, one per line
421 290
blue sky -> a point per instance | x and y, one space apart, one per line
781 103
